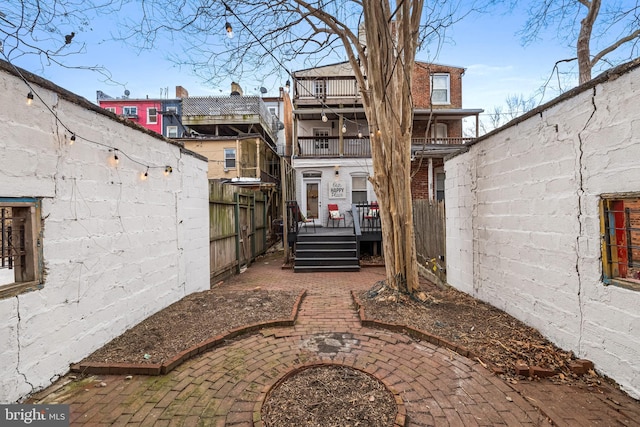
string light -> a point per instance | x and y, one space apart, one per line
145 175
229 29
324 117
168 170
33 94
344 128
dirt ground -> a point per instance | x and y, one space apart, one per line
310 397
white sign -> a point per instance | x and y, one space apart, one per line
337 190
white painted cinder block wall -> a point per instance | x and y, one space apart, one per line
116 249
523 226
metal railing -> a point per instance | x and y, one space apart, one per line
441 141
327 88
330 146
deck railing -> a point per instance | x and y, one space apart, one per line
330 146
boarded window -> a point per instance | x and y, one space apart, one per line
620 226
20 245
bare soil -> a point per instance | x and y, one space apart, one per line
327 397
192 320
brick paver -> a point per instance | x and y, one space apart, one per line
226 386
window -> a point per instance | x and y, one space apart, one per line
20 245
321 143
172 132
439 133
620 227
130 111
319 88
172 110
152 115
111 109
440 186
359 189
440 89
229 158
273 111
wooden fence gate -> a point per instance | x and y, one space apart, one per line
429 226
238 230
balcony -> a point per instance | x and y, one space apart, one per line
441 141
333 146
328 90
229 116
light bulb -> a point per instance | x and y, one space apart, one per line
360 135
324 118
344 128
168 170
73 139
145 175
115 157
30 98
229 29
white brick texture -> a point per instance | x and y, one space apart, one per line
523 226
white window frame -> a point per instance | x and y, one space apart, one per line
130 111
228 159
149 116
111 109
172 132
354 189
443 83
320 88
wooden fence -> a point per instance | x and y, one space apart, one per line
238 230
429 226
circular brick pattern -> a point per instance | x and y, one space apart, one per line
313 379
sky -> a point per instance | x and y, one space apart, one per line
497 64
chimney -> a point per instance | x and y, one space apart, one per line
236 89
181 92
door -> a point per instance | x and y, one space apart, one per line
321 142
312 199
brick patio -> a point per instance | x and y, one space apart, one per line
226 385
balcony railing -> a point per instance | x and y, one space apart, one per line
441 141
327 88
330 146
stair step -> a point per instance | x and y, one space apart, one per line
316 268
326 261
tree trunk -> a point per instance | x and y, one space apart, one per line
584 39
391 47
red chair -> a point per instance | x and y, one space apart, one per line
335 215
373 214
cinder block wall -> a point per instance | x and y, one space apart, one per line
523 226
116 248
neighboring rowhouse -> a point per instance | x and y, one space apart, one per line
103 223
331 145
161 115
